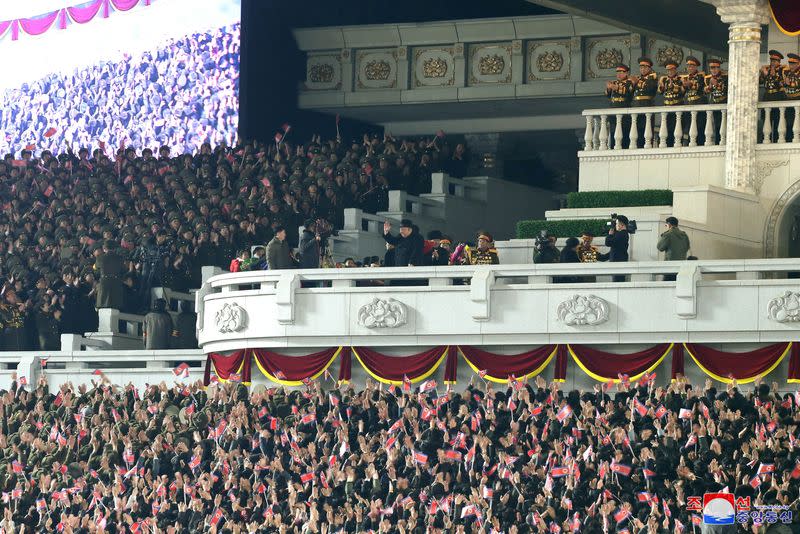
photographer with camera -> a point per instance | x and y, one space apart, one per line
617 240
545 249
310 244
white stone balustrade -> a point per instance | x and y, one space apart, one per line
712 301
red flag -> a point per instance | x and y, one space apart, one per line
428 385
704 408
181 371
621 515
766 468
308 418
217 517
452 455
648 473
286 127
755 482
278 138
18 163
49 191
30 147
194 462
50 132
389 442
685 414
17 467
661 411
559 471
621 469
97 372
796 471
266 182
564 413
307 477
420 458
641 409
406 384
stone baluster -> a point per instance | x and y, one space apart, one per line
648 130
603 132
709 132
796 125
766 130
618 133
782 125
723 127
634 130
693 128
663 131
588 136
678 129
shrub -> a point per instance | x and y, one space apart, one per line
619 199
561 228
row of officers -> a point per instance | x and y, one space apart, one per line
780 82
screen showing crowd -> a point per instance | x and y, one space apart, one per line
111 73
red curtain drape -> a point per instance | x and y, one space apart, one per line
39 25
451 366
562 354
787 15
124 5
4 25
793 375
604 366
677 360
224 366
392 369
82 15
292 370
345 364
743 366
500 367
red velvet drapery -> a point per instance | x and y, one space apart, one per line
743 366
39 25
291 370
501 367
604 366
224 366
786 14
392 369
677 360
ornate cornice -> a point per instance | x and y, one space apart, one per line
742 11
597 155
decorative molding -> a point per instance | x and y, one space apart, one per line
548 60
669 52
320 73
490 63
323 72
785 308
434 67
763 170
383 313
642 153
376 69
583 310
608 58
603 54
231 318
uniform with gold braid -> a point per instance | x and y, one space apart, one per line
646 86
694 83
620 91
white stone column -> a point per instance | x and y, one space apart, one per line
744 44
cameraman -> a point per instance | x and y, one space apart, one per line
546 251
617 240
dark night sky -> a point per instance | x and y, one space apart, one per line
272 66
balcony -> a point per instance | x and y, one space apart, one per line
497 305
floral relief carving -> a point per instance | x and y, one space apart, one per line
785 308
383 313
434 67
231 318
583 310
377 70
609 58
669 53
763 170
320 73
550 61
491 65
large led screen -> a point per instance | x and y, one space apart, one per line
111 73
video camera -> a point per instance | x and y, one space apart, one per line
542 241
613 224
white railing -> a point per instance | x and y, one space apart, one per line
774 118
655 127
443 184
359 220
402 202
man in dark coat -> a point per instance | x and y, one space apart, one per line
109 267
184 335
309 246
278 256
617 240
157 327
408 244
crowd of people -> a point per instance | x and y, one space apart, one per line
519 457
181 94
164 216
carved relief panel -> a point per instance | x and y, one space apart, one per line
661 51
377 69
548 60
434 67
490 63
323 72
603 54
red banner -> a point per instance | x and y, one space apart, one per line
393 369
501 367
786 14
605 366
292 370
238 362
743 366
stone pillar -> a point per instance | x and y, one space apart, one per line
744 45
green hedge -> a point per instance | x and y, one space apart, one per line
619 199
562 228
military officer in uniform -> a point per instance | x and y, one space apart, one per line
771 77
716 87
791 87
645 87
693 82
485 253
620 93
671 86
